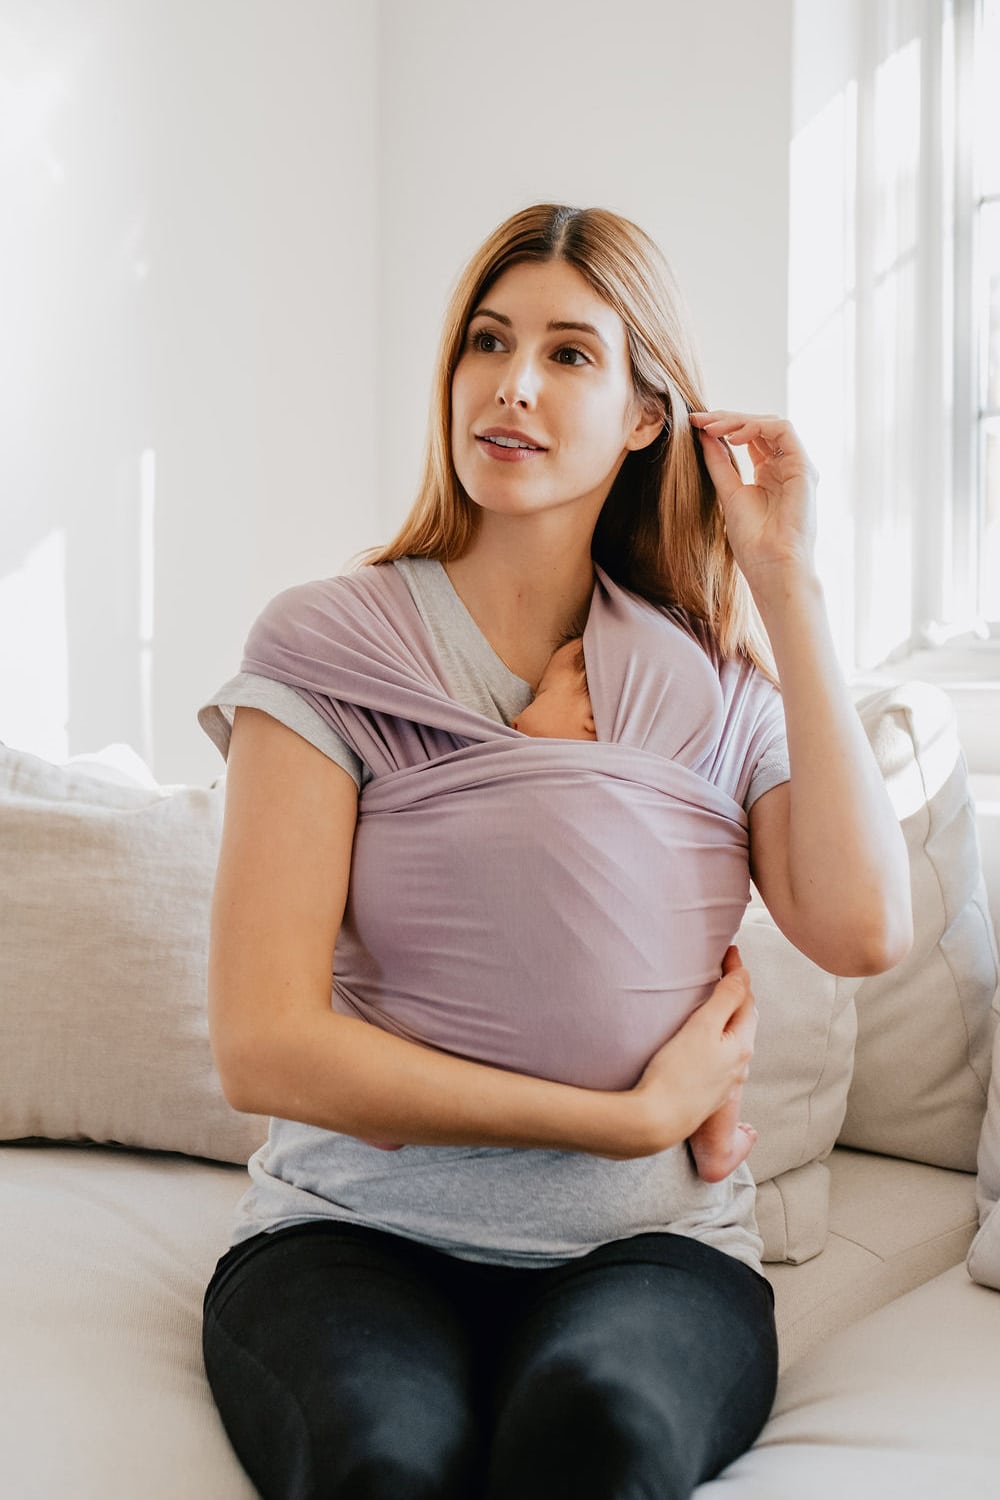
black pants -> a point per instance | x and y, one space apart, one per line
349 1363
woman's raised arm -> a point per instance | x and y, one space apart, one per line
827 852
280 893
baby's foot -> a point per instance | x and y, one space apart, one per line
715 1159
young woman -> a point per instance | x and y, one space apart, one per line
537 1296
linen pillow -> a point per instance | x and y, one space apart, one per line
984 1254
897 1062
105 891
797 1091
925 1028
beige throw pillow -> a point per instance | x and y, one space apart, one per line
105 896
896 1063
925 1028
797 1092
984 1256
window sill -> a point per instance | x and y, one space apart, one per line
969 672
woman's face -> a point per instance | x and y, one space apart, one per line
545 363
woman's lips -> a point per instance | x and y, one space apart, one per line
508 455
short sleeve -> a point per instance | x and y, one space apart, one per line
770 771
284 703
767 751
752 756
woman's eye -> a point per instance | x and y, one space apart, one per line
571 349
476 340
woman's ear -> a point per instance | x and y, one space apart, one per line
648 423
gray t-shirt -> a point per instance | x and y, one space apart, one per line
510 1206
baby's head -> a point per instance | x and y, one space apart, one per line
561 708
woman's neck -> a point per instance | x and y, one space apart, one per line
523 598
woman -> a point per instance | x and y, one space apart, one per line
537 1297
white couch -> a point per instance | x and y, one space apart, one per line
124 1161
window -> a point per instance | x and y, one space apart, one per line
894 315
985 302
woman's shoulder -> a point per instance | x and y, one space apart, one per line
362 609
326 598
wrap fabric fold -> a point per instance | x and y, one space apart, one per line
555 907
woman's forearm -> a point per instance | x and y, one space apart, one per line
343 1074
847 867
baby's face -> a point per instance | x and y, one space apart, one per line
561 708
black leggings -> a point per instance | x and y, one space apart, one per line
351 1363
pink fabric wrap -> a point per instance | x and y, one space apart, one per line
555 907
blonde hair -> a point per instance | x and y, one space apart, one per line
660 532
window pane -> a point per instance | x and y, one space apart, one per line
988 121
989 282
990 550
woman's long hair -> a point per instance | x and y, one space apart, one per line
660 532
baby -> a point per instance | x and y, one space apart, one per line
561 709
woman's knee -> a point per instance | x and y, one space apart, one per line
580 1430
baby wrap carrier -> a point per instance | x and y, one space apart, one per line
555 907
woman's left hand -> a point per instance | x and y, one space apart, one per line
771 523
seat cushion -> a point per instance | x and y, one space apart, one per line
900 1406
106 1255
893 1225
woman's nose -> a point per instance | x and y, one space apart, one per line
518 385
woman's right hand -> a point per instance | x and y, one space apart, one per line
705 1063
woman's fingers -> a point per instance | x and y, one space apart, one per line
733 999
766 437
731 959
719 462
735 977
740 427
760 452
707 1061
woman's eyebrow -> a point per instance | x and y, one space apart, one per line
487 312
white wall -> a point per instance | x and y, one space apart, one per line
231 228
676 115
188 194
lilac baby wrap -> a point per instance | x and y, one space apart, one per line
556 907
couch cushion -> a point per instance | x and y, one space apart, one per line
984 1255
106 1255
901 1406
797 1091
933 1009
916 1038
892 1225
925 1028
105 894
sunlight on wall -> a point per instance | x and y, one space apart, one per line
34 666
821 315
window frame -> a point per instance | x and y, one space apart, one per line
971 325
